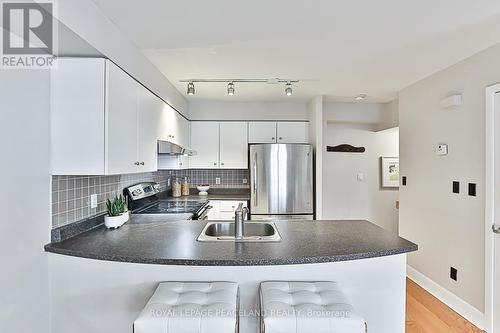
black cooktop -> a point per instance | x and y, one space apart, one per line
175 206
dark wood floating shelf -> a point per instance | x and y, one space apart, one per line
345 148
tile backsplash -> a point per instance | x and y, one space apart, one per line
229 178
71 194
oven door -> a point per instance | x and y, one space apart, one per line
203 215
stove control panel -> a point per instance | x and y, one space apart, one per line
143 190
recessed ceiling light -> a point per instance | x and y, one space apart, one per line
230 89
190 88
288 89
360 97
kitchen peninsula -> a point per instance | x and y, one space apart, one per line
104 277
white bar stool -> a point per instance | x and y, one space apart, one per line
306 307
191 307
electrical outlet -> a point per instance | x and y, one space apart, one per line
245 181
168 182
217 181
93 201
442 149
472 189
453 273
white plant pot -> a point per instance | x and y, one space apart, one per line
112 222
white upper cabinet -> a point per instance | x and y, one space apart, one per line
205 141
121 120
169 126
278 132
262 132
102 120
233 145
292 132
77 117
150 107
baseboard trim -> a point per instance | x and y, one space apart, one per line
457 304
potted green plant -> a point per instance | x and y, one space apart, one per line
117 212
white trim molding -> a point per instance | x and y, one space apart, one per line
457 304
489 205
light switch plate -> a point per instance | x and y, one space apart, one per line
442 149
217 181
93 200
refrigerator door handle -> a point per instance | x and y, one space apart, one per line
255 179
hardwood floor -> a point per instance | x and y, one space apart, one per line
426 314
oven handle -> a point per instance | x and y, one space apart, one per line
204 214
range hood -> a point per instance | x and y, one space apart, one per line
170 148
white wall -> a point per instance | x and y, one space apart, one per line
86 19
448 228
380 115
227 110
344 196
25 200
316 137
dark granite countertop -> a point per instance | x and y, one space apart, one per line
174 243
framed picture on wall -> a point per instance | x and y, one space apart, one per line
390 171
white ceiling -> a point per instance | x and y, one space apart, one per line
350 46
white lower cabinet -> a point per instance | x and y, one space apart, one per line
224 209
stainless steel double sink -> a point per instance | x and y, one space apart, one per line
221 231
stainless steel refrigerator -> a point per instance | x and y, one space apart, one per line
281 181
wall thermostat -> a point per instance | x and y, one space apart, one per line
442 149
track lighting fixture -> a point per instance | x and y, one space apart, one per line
288 89
230 83
190 88
230 88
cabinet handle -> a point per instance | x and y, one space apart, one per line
280 138
215 163
180 163
136 163
273 138
222 163
142 163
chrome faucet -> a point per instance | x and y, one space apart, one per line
239 221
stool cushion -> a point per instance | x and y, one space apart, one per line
190 307
307 307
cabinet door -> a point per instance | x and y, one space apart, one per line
205 141
168 123
121 121
214 212
184 140
148 118
77 116
293 132
233 145
261 132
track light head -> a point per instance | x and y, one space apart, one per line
190 88
230 88
288 89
